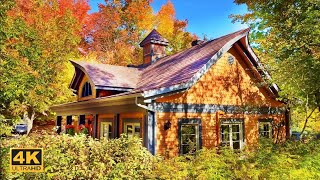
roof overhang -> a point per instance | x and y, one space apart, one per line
79 73
109 101
251 56
200 73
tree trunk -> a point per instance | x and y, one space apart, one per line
306 121
29 121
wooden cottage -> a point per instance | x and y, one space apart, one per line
209 95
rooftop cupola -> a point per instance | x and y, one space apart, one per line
154 47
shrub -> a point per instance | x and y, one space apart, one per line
79 157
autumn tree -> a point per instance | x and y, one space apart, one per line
287 38
37 40
173 29
114 33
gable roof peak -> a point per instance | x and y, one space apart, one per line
154 37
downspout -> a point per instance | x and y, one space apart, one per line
151 138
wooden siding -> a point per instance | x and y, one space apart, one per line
224 84
227 85
168 142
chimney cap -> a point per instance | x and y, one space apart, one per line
197 42
154 37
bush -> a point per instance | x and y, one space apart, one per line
79 157
291 160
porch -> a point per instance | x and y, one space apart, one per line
108 117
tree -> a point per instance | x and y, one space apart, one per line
173 29
114 33
287 38
37 39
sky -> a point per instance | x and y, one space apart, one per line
208 18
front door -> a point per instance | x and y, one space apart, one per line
232 135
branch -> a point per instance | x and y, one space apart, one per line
306 121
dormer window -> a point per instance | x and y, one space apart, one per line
86 90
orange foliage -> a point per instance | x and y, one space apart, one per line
117 29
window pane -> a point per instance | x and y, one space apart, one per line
188 129
225 137
185 149
235 128
129 129
224 128
236 145
137 130
235 136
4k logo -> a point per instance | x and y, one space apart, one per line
26 160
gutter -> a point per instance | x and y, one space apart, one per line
143 106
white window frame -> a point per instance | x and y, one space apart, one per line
134 125
241 133
109 134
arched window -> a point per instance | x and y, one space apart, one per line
86 90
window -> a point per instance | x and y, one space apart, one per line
190 132
86 90
232 133
265 128
106 130
132 129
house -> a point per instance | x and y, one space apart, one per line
211 94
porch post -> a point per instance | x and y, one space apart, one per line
116 125
95 126
58 124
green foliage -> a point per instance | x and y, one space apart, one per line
287 39
286 35
292 160
79 157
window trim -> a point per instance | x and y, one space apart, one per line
190 121
101 129
108 120
230 122
265 121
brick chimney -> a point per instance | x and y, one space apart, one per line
154 47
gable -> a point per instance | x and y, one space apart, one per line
227 83
80 89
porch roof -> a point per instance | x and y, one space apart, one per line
124 102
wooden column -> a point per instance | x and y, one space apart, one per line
95 126
117 125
